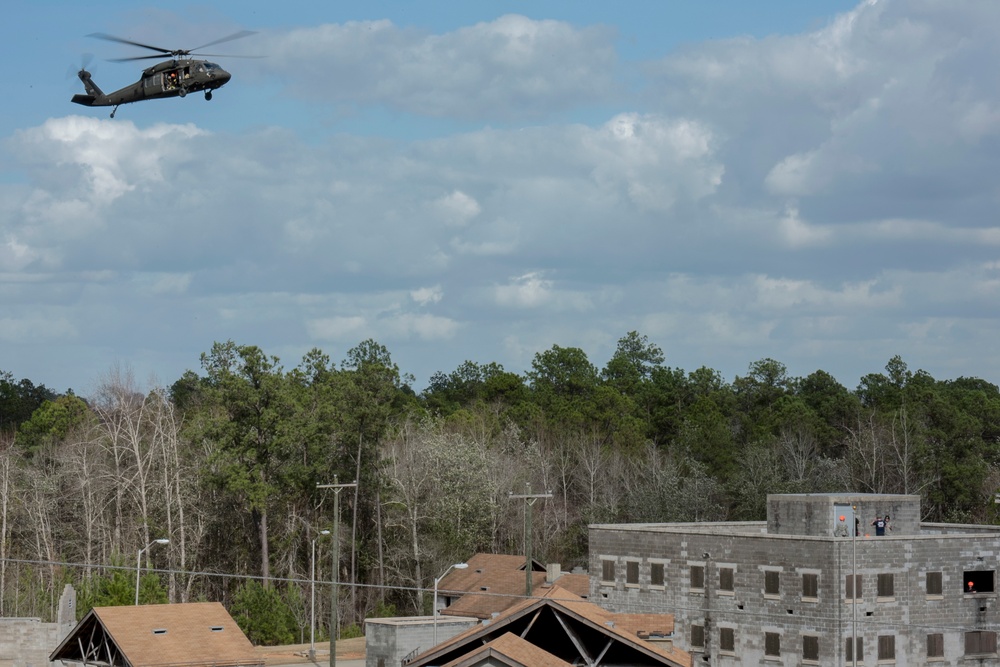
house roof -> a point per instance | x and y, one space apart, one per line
572 629
509 650
494 582
194 634
480 565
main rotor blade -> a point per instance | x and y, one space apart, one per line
158 56
112 38
236 35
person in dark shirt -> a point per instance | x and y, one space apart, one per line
880 525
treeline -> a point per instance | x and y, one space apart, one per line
225 464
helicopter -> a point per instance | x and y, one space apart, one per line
172 78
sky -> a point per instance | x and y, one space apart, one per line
812 182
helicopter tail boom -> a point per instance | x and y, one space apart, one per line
94 93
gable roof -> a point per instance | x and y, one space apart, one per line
510 650
480 565
570 628
494 582
193 634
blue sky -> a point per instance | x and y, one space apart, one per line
812 182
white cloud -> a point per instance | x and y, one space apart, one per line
656 160
527 291
427 295
511 67
457 208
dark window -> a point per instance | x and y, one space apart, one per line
632 572
887 647
935 645
980 642
849 654
726 579
727 639
810 585
886 586
656 574
697 576
853 588
978 581
607 570
810 648
772 644
697 636
771 582
934 583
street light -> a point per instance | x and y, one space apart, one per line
456 566
138 562
312 586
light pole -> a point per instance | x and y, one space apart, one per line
456 566
312 587
138 561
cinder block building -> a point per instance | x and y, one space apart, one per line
803 588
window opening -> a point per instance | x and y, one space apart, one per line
608 571
886 585
697 636
727 639
727 579
656 574
810 647
849 654
853 588
978 581
771 582
772 644
697 577
632 572
980 642
887 647
935 645
934 583
810 585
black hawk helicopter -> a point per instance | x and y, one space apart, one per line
171 78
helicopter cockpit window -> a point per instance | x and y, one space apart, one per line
211 66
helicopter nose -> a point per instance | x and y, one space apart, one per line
223 76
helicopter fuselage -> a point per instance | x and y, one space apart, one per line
171 78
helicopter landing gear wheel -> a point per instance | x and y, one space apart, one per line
114 110
208 95
182 92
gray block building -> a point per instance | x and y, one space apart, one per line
803 588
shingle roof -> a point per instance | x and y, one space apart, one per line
622 627
494 582
201 633
512 650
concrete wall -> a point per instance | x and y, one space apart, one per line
27 642
908 616
816 513
389 640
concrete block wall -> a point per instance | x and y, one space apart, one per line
908 616
389 640
27 642
816 514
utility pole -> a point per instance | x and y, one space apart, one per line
337 488
529 500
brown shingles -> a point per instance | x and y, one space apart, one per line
191 634
517 651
